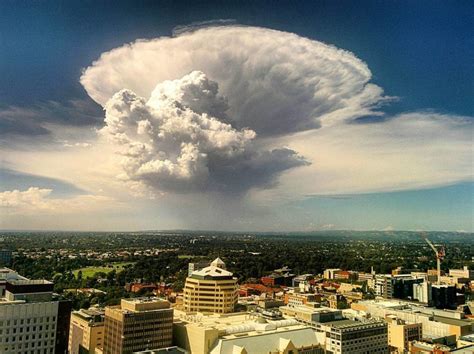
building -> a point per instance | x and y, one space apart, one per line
436 323
331 273
465 272
337 334
346 275
295 298
239 333
401 333
422 292
279 277
86 331
337 301
211 290
195 266
303 278
418 347
168 350
443 296
5 257
310 315
355 337
395 286
31 319
138 324
402 286
7 274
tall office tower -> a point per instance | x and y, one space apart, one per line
138 324
86 331
31 320
211 289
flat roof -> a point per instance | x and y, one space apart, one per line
453 321
343 324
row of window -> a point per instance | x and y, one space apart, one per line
21 321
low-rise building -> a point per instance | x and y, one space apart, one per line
331 273
401 333
238 333
436 323
296 298
465 272
348 336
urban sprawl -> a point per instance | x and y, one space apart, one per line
209 293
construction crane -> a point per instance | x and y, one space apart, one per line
440 254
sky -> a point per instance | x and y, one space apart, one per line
245 116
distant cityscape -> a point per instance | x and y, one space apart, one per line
132 297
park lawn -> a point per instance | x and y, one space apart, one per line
89 272
185 256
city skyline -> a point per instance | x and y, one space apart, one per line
268 117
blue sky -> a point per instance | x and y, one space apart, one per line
421 52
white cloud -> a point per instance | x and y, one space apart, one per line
275 82
36 201
408 151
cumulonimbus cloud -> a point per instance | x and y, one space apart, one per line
280 101
274 82
174 141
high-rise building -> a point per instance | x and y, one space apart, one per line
212 289
31 320
86 331
138 324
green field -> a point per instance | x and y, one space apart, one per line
90 271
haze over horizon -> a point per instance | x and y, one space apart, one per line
302 117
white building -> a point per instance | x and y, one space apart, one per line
331 273
29 317
422 292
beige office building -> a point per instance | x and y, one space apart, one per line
211 290
86 331
138 324
401 333
243 333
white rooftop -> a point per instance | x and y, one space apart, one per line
212 271
218 263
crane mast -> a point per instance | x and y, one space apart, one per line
439 256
